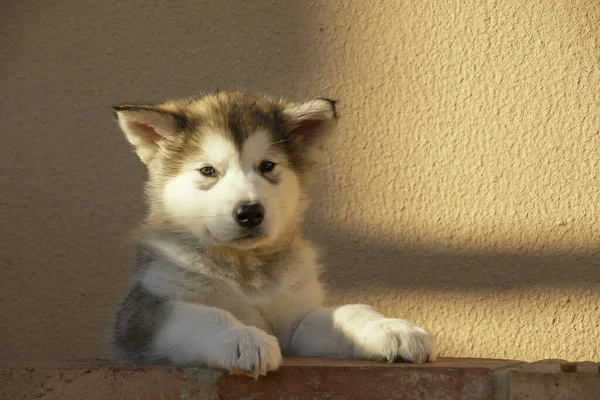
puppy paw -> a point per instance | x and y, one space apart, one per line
397 340
248 351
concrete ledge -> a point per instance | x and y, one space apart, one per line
549 379
298 379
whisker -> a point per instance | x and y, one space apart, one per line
279 141
209 216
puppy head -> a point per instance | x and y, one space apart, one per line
230 167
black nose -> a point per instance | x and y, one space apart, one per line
249 215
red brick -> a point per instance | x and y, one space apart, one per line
317 379
98 383
298 379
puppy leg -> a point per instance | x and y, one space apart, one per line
358 331
200 335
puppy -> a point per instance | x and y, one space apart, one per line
224 276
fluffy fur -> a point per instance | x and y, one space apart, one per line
217 286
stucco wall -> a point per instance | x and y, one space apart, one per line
460 192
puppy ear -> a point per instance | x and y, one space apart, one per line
312 123
146 126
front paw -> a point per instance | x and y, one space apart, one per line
249 351
398 340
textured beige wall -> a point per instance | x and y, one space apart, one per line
461 190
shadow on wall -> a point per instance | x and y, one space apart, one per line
70 182
354 263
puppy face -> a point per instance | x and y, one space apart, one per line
228 168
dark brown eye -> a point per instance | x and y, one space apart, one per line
208 171
266 167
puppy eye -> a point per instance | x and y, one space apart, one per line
208 171
266 167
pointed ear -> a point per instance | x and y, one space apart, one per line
145 126
312 122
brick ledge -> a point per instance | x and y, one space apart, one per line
307 378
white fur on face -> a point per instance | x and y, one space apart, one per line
205 205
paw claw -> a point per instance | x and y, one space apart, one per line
398 341
249 351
